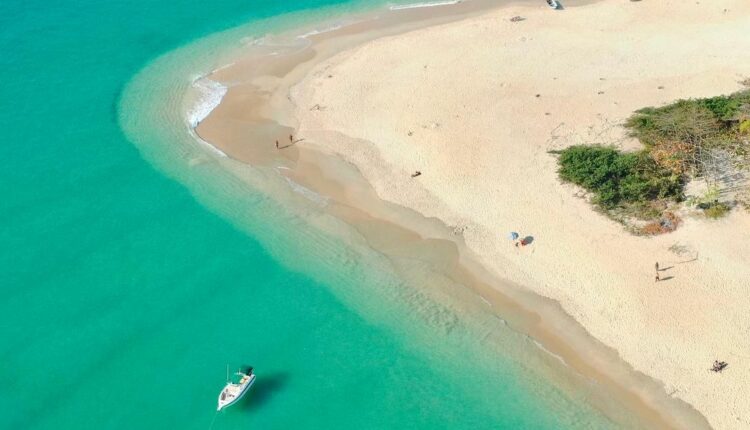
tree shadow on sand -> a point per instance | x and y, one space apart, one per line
263 390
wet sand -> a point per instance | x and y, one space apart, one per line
361 177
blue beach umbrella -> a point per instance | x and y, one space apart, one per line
513 235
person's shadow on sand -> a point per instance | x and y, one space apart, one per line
263 390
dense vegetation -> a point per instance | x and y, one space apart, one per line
619 179
700 138
687 136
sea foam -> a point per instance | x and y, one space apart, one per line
425 4
332 27
307 193
552 354
207 145
208 95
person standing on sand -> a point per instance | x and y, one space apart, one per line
657 266
291 138
657 277
277 144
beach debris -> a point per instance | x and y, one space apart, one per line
600 92
318 107
410 133
678 249
538 95
668 222
459 229
416 173
719 366
660 87
330 76
517 18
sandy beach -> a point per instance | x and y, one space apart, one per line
476 105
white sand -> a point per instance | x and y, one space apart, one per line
466 93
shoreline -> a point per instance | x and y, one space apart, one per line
304 163
556 348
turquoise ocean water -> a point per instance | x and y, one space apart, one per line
134 267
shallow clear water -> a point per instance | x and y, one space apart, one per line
134 266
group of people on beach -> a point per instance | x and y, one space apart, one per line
719 366
291 142
518 240
523 242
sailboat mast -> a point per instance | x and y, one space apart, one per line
227 373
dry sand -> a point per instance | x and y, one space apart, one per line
459 103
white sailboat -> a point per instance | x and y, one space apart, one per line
234 391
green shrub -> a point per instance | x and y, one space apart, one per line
723 107
716 210
617 178
683 121
677 138
691 121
